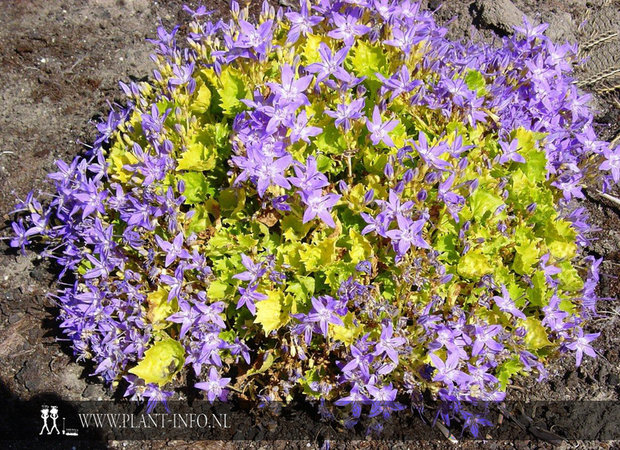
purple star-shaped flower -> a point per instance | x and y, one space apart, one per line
214 386
431 155
308 178
291 91
484 339
173 250
448 371
409 233
581 345
359 362
399 83
345 112
324 313
347 28
383 401
331 64
320 206
272 172
388 344
253 271
393 207
249 296
505 303
301 23
612 163
300 129
379 130
356 399
510 152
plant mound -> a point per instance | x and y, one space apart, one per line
336 202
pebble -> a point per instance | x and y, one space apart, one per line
501 15
561 28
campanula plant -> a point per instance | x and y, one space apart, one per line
339 203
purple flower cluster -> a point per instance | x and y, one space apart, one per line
373 168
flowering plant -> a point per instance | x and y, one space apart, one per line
337 202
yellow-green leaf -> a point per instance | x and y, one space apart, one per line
217 290
360 247
159 308
202 99
273 312
368 59
526 256
161 362
536 334
347 333
233 89
196 187
474 265
483 202
196 157
507 370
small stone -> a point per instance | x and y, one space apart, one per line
92 392
501 15
561 28
14 318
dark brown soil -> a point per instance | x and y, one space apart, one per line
60 62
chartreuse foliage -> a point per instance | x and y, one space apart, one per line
340 203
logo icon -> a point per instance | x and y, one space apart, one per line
49 414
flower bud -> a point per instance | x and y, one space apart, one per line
388 171
408 176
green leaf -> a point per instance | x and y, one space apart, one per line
569 277
309 377
317 256
368 59
331 140
217 290
200 220
527 254
302 289
159 308
374 162
507 370
246 242
273 312
202 99
161 362
360 247
310 51
536 335
482 202
196 187
293 227
268 361
475 81
561 239
537 295
220 244
197 157
347 333
535 167
233 89
474 265
388 286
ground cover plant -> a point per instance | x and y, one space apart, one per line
337 202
